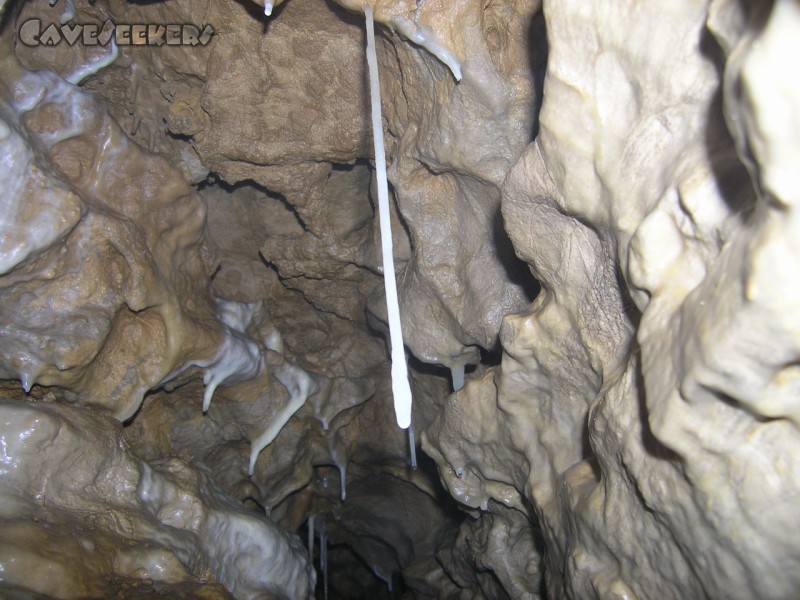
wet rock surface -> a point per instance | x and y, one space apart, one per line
593 222
83 517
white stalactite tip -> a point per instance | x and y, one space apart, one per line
457 373
401 390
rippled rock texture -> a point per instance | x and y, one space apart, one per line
83 517
593 214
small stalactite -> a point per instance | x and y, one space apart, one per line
311 538
412 444
323 557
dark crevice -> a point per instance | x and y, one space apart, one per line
350 166
214 180
429 369
650 442
517 271
489 357
538 52
731 159
629 307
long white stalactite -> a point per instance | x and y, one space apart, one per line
401 390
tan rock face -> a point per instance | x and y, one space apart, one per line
592 212
635 175
115 276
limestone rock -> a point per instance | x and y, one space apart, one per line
83 517
593 206
635 174
108 280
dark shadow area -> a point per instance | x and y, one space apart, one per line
349 17
649 441
587 452
516 269
183 137
737 405
734 182
537 57
215 180
430 369
427 466
731 160
9 16
629 307
350 578
347 167
361 532
489 357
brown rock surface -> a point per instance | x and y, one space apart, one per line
189 243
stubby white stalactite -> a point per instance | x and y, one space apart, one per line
457 374
400 386
342 481
387 579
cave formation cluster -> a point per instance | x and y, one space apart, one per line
597 262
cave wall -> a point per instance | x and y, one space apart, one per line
592 207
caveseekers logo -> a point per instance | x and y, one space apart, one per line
34 33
